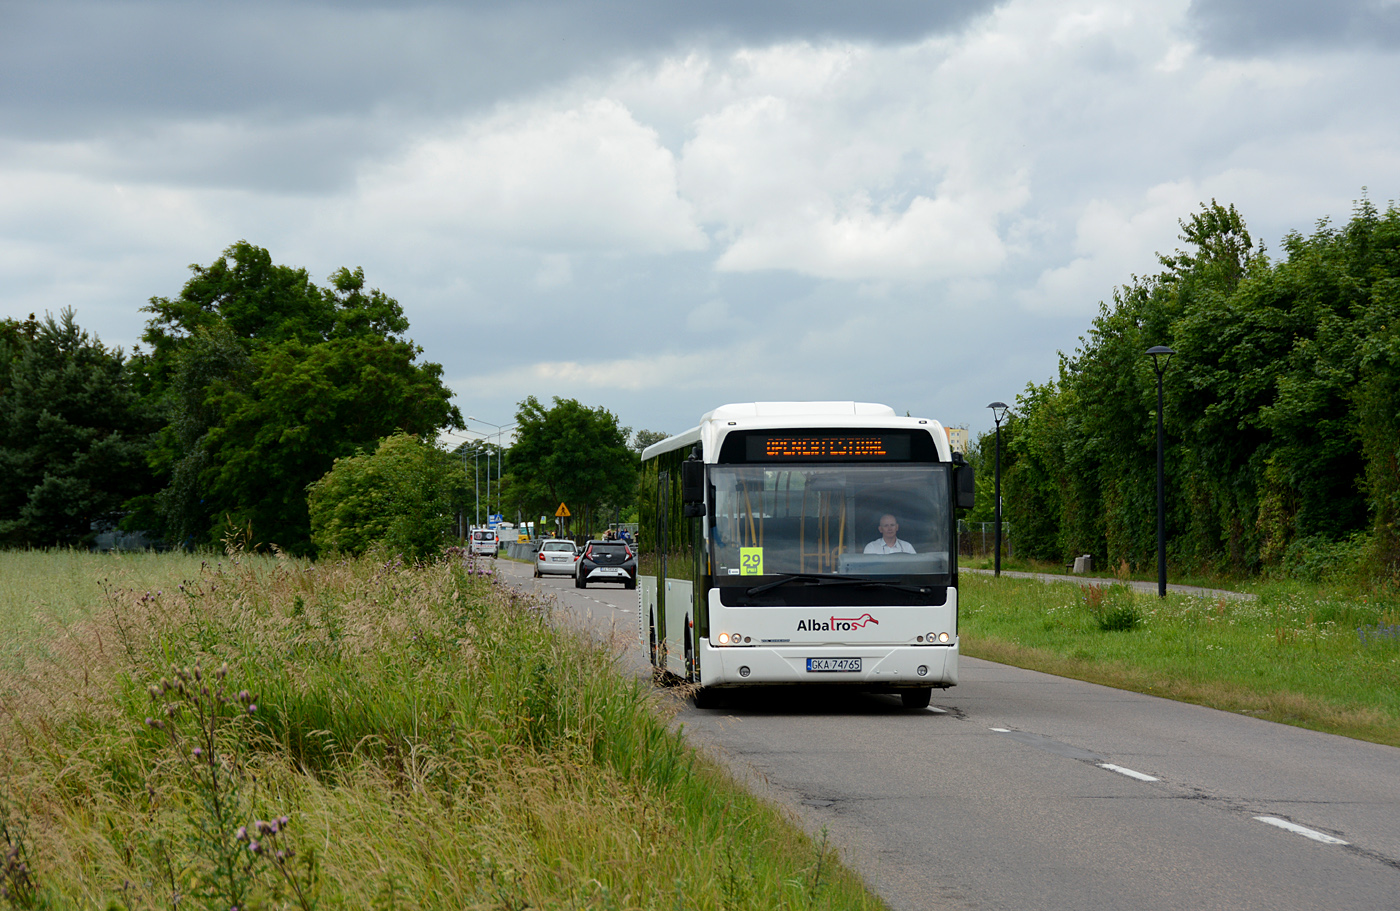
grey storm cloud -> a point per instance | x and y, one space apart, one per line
66 66
914 201
292 96
1248 27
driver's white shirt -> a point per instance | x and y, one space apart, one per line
900 546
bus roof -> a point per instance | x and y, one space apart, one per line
716 424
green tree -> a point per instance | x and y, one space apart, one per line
207 367
1033 474
73 433
1281 404
571 454
1376 399
644 438
266 379
1222 249
982 455
403 497
1277 374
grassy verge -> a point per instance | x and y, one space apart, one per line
41 593
180 733
1298 654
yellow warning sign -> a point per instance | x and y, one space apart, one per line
562 511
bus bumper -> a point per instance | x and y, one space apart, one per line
881 667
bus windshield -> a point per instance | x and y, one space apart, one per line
861 520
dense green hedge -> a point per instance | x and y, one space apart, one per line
1282 407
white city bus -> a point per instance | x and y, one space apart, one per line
801 543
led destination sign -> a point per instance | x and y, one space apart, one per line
878 446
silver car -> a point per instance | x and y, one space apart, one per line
556 556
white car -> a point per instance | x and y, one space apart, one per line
557 557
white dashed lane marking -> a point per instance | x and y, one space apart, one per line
1140 776
1064 749
1270 820
1301 830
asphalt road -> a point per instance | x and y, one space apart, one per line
1019 790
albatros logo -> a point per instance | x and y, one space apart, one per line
835 623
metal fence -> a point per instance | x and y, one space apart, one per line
978 539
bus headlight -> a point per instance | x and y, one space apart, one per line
944 637
723 638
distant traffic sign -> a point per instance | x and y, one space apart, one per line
562 511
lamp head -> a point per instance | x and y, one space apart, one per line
1157 351
998 411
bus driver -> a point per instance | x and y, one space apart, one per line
889 541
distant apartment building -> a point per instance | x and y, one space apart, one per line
957 438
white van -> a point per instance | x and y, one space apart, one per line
484 541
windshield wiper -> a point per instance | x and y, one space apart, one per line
784 580
813 579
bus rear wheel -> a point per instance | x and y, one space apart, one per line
916 699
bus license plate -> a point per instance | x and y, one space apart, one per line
833 664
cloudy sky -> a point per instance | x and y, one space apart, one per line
664 206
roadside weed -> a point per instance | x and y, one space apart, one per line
1113 607
263 732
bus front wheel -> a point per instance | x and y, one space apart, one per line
705 697
916 699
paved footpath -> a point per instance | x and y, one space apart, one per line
1149 587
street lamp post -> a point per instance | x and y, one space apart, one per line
476 479
500 453
1155 352
998 414
488 468
500 430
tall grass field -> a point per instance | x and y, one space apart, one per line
1299 654
251 732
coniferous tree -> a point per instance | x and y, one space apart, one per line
73 433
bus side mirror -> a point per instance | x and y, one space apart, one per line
693 487
967 482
